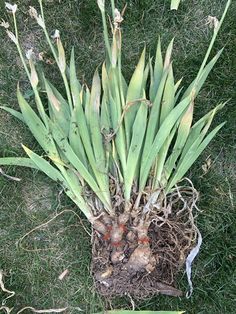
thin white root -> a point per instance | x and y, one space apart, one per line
9 177
6 309
131 301
11 293
42 311
44 225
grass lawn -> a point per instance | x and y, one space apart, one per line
32 269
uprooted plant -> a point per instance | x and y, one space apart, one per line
121 151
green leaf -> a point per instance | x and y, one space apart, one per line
36 126
86 105
169 49
64 180
74 83
157 182
183 132
140 312
152 92
158 71
175 4
86 140
106 129
138 133
105 81
196 129
61 56
133 94
18 161
105 117
168 99
135 86
124 86
59 108
153 121
114 88
94 122
116 107
84 133
119 136
190 158
13 112
178 95
159 140
177 85
75 139
45 166
96 136
145 76
197 84
65 147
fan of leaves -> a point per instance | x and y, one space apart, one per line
140 133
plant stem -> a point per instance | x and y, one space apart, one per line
113 8
68 93
36 93
19 48
216 30
106 37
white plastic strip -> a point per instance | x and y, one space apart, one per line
192 255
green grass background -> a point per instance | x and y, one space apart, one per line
26 204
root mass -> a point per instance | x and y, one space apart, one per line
139 254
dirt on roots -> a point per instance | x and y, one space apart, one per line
146 254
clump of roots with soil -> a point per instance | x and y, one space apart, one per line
141 249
